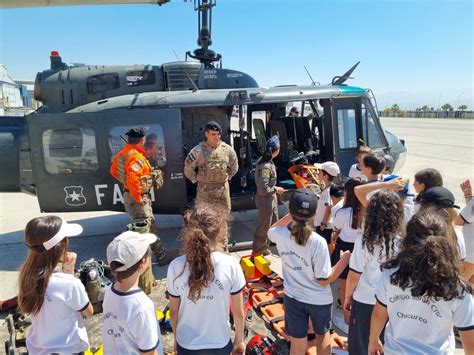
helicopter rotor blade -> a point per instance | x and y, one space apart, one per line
13 4
339 80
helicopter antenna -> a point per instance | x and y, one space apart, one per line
187 74
312 80
340 80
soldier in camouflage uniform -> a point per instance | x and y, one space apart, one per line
211 164
266 199
133 170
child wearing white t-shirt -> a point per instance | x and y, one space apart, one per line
130 325
328 171
54 300
347 227
201 283
307 274
379 242
355 171
422 294
466 220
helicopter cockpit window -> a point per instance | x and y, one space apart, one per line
346 122
154 143
69 151
371 130
102 82
140 77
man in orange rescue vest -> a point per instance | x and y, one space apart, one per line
133 170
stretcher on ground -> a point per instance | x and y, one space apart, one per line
265 293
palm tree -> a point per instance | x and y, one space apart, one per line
447 107
462 107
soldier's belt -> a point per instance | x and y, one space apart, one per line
211 183
143 193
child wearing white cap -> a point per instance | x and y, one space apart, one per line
328 171
130 324
54 300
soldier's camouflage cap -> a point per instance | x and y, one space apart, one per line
136 132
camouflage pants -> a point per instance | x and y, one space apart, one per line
267 215
218 196
142 212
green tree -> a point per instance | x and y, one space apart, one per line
462 107
424 108
447 107
395 108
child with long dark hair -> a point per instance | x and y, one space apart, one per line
424 180
379 242
307 274
54 300
201 284
347 228
422 294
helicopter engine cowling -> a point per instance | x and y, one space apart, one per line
64 87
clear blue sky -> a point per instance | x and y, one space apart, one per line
412 52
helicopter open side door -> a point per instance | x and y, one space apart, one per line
348 135
71 169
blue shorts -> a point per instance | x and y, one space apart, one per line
298 313
226 350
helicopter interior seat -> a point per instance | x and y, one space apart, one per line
260 135
304 134
237 147
277 126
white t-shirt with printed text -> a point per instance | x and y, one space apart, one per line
129 325
356 173
420 326
205 324
324 200
336 208
368 266
303 266
343 222
59 326
467 214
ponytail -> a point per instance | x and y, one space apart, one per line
198 258
203 229
301 231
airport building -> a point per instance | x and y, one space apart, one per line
16 96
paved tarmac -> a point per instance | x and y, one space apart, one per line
447 145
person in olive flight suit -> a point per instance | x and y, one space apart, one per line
266 198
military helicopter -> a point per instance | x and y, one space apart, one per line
62 152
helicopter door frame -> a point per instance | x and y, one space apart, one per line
348 134
71 173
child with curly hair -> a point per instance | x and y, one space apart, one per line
422 294
378 243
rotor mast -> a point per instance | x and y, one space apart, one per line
204 54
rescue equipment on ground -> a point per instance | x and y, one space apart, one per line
96 276
260 345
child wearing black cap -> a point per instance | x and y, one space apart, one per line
307 274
